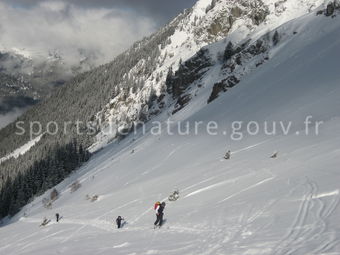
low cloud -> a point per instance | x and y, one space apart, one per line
159 10
71 31
9 117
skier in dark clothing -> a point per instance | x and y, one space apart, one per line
228 155
57 217
274 155
159 213
119 221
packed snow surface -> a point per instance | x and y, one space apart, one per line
248 205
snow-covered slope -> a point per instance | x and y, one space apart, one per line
250 204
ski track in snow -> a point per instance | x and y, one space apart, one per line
216 185
301 232
250 147
248 188
171 153
298 234
47 237
126 244
104 225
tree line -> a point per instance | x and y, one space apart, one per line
41 176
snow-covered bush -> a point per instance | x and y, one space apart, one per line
47 203
54 195
75 186
94 198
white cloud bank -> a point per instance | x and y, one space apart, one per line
71 31
8 118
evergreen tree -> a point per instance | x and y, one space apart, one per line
41 176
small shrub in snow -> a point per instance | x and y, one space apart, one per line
274 155
45 222
94 198
75 186
330 9
54 195
174 196
47 203
276 38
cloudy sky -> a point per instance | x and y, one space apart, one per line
100 27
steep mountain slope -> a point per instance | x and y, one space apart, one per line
157 77
119 93
250 204
132 87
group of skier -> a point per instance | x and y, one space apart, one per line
159 208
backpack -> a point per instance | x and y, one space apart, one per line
156 205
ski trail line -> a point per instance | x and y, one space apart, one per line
251 146
295 229
309 226
96 219
246 189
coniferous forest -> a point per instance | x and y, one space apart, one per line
41 176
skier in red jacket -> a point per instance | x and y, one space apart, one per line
159 207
